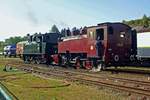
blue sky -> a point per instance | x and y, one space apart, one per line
19 17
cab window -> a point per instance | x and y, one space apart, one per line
91 34
100 34
110 30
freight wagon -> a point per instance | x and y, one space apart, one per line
143 44
10 50
20 48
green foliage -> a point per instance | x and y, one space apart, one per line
145 21
54 29
14 40
2 44
11 40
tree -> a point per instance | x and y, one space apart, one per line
63 32
124 21
145 21
14 40
2 44
54 29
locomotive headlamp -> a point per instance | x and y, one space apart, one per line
92 47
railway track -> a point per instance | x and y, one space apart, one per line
131 71
132 86
128 71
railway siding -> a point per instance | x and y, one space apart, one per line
134 87
38 86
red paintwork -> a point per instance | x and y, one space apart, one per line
81 45
88 65
73 45
55 58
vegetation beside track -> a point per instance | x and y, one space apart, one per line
31 87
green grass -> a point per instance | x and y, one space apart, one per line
22 84
1 56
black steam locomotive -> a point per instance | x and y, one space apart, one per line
40 47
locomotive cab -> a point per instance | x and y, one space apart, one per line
118 44
94 35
